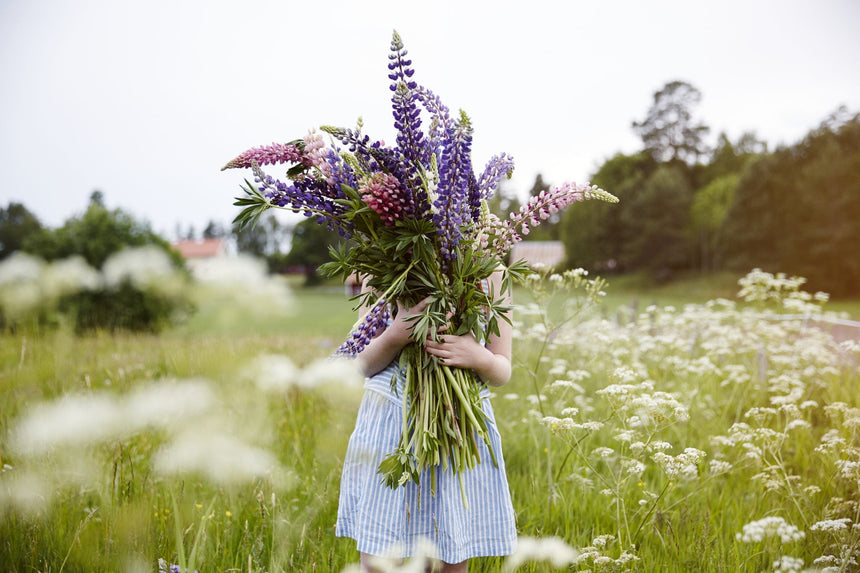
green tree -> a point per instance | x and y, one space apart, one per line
657 218
730 158
796 210
595 233
17 223
310 248
96 235
668 131
214 230
265 239
708 212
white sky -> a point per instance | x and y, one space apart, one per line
146 100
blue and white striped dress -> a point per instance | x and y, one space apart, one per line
397 523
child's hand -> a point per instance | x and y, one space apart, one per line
462 351
401 326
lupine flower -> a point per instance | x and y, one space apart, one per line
455 169
305 196
315 152
382 193
273 154
542 206
374 322
497 167
407 116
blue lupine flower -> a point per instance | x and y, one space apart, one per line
440 122
455 171
374 322
497 167
311 197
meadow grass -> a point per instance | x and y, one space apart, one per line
678 379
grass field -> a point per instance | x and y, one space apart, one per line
644 435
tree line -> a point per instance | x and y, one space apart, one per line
735 206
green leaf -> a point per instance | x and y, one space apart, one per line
255 204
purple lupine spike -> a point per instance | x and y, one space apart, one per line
267 155
497 167
455 170
475 197
407 115
440 123
373 323
306 196
359 145
339 172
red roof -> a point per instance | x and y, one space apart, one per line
202 249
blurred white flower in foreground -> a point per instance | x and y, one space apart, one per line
84 420
20 267
418 563
144 267
28 283
68 276
244 281
275 372
552 549
219 457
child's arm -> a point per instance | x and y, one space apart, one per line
384 347
491 362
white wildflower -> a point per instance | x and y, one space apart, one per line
771 526
625 436
794 424
831 525
786 564
719 466
603 452
633 467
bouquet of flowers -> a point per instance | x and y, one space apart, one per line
418 226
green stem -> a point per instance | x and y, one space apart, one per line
650 511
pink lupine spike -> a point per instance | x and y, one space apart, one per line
267 155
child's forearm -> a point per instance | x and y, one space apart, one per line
379 353
493 369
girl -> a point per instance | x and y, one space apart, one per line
394 523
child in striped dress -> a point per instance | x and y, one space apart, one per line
399 523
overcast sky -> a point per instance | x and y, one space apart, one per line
146 100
